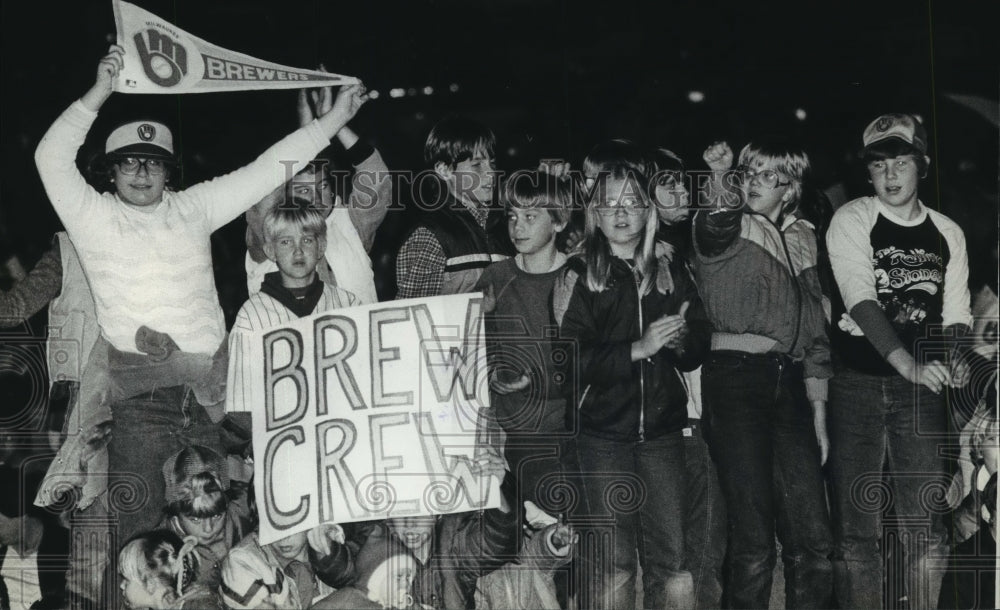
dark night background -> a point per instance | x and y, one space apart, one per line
551 77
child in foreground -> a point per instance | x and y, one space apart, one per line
160 571
289 573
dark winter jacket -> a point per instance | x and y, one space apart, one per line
619 399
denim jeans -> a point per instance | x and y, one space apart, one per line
762 437
872 418
640 486
704 520
148 429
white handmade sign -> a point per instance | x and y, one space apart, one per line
369 412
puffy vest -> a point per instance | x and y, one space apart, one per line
468 249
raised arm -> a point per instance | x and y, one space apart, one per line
371 191
371 185
55 156
717 224
226 197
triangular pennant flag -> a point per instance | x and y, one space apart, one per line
162 58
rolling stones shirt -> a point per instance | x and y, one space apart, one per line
916 270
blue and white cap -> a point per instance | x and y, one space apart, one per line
142 139
903 127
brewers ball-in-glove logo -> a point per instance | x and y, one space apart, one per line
163 60
884 123
146 132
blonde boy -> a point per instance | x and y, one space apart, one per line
295 240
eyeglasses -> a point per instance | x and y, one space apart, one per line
630 206
767 177
130 166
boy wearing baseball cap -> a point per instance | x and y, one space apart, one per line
902 270
145 249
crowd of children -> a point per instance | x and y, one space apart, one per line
687 376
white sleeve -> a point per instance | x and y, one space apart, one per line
73 199
226 197
957 307
849 242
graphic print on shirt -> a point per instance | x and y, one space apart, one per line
906 281
909 265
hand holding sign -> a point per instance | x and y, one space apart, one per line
350 99
322 537
107 71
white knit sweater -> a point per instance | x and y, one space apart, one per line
152 265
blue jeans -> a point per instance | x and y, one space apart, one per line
148 429
762 437
640 486
872 418
704 521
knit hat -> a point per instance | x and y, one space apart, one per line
182 466
900 126
141 138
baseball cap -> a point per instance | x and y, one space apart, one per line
141 138
182 466
900 126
